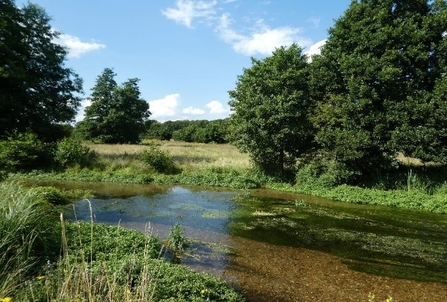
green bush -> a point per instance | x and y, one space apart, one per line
24 151
70 152
160 161
322 173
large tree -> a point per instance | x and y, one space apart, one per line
380 84
37 92
117 114
271 105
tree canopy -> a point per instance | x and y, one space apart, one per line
37 92
380 85
117 114
271 105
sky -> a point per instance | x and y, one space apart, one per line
186 53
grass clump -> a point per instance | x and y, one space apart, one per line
27 235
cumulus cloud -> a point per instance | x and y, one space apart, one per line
263 40
166 107
76 47
216 107
315 49
188 10
193 111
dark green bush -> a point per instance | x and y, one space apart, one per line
322 172
70 152
160 161
24 151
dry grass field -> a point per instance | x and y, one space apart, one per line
187 155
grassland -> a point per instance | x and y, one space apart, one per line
188 156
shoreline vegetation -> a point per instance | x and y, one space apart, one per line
412 186
91 254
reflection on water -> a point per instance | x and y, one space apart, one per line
252 239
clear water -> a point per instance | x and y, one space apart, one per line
395 243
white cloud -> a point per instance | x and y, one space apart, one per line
165 108
76 47
263 40
188 10
216 107
315 49
193 111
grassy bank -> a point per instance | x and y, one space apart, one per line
415 186
45 258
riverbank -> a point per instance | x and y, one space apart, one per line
413 187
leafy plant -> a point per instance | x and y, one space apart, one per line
177 241
158 160
70 152
24 151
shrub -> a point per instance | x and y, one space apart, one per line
70 152
158 160
322 172
24 151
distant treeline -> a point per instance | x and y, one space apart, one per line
198 131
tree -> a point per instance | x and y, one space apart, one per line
380 85
271 105
117 114
36 91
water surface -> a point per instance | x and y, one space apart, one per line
289 247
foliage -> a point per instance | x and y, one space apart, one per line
70 152
117 114
322 173
176 241
111 240
57 196
200 131
271 106
110 263
159 160
27 235
380 85
24 151
37 91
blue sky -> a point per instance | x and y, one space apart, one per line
186 53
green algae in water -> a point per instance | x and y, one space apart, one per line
384 241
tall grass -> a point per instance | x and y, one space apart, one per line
26 235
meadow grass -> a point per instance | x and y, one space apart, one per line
188 156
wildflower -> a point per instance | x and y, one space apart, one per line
40 278
7 299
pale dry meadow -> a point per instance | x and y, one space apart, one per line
186 155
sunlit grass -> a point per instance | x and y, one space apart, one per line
188 156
